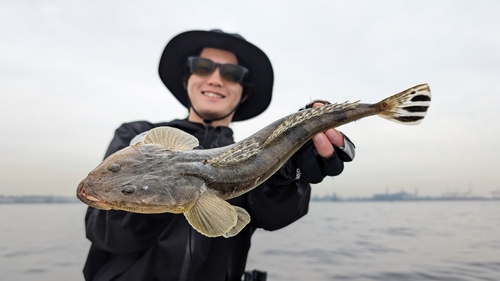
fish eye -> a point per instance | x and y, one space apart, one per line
128 190
115 168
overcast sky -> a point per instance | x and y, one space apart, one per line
72 72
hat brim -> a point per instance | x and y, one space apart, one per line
174 60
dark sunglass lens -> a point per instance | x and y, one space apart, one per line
203 67
232 73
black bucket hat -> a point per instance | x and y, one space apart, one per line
174 60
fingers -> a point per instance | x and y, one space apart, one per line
316 104
335 137
324 142
323 146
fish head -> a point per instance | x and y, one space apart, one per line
136 179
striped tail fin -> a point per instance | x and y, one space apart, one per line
408 107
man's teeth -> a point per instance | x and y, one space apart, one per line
213 95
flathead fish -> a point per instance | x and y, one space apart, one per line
163 173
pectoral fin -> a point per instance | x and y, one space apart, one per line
243 220
212 216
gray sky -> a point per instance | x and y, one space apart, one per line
72 72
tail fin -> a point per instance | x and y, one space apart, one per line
408 107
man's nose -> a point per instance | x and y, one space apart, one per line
215 78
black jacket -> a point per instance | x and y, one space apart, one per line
127 246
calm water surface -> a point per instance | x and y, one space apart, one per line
385 241
335 241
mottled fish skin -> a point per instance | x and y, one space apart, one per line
157 176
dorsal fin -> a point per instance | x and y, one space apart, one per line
171 138
240 152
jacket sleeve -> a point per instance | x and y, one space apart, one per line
118 231
284 198
278 202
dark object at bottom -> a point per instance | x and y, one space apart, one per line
255 275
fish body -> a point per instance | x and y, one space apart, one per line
163 173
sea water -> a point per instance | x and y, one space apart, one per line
444 240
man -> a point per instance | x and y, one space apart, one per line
220 78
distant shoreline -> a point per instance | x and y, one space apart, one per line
38 199
49 199
405 196
405 200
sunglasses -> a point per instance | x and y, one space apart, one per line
228 72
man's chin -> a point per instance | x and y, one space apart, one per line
212 114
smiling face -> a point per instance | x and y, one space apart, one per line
211 96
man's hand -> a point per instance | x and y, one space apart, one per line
324 142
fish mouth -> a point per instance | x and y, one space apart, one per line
97 203
88 199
